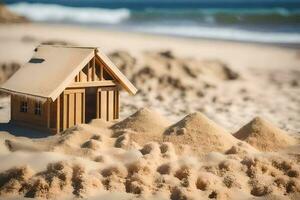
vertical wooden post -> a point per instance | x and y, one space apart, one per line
65 111
12 106
110 104
101 73
83 107
98 103
58 114
71 109
116 103
80 76
89 77
93 70
48 102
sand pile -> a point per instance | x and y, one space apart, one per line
264 136
143 126
155 174
200 133
99 161
192 82
84 140
164 70
57 180
144 121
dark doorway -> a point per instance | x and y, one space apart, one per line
90 103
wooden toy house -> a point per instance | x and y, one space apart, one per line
63 86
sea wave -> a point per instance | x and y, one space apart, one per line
223 15
223 33
275 25
58 13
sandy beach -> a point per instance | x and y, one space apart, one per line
261 69
211 120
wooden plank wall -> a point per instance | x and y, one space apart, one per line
93 71
69 108
73 108
55 115
108 103
29 117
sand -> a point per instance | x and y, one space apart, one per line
264 136
173 140
200 134
143 126
236 80
85 162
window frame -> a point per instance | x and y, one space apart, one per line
38 108
24 106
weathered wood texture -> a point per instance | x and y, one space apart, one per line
94 93
73 111
108 103
29 117
94 71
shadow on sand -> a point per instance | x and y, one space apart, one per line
22 131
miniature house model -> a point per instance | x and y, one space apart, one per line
63 86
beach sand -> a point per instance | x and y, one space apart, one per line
211 120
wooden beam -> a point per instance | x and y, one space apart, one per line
58 115
65 110
101 73
13 106
48 113
61 111
116 103
100 77
92 84
83 107
110 105
98 103
81 76
89 77
116 73
93 70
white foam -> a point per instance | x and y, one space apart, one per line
57 13
223 33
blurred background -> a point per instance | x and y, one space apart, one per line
269 21
232 60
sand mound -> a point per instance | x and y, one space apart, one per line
199 132
58 179
12 180
143 121
23 146
143 126
90 166
264 135
100 123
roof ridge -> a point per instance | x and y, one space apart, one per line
68 46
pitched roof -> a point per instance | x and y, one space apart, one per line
52 68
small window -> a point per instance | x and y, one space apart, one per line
38 108
24 106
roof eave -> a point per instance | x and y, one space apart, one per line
124 82
33 96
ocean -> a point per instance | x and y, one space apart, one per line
263 21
